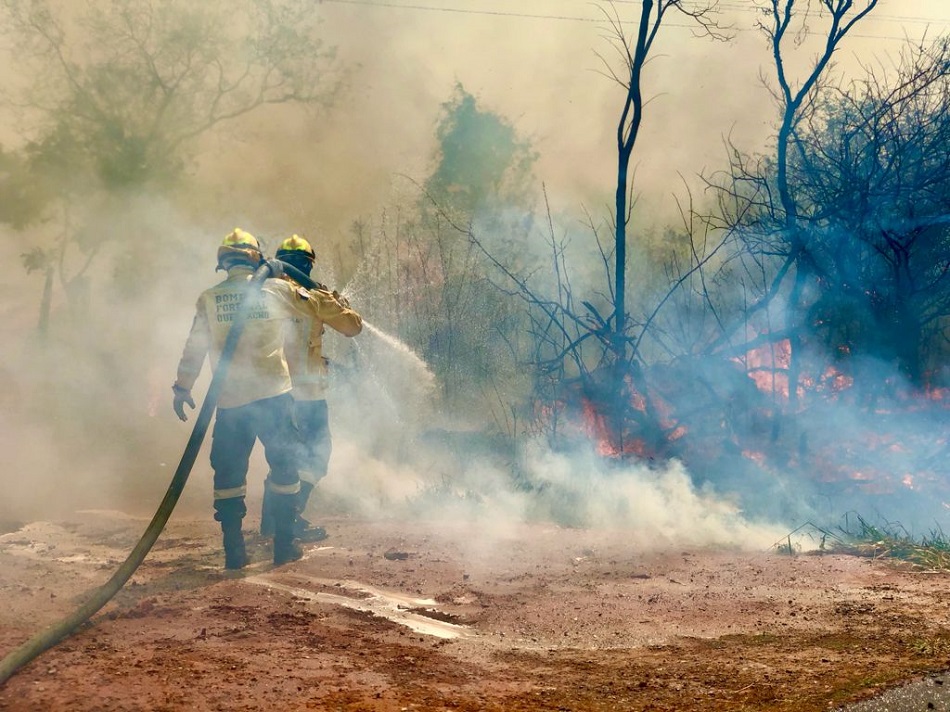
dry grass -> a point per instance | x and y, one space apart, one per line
888 540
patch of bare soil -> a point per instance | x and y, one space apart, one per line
391 616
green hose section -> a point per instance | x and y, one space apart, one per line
58 632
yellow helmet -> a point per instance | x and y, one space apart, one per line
295 246
239 248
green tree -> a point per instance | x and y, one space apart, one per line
117 92
481 159
428 283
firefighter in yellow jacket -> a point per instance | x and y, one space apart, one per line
255 401
308 371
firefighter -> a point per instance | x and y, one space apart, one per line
308 371
255 401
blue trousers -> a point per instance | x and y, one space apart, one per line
236 430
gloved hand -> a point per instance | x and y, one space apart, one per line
182 397
341 299
276 267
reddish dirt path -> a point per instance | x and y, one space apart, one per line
392 616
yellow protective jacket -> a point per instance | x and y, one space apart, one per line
304 345
259 367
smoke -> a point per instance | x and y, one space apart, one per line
458 480
545 75
87 418
394 457
660 507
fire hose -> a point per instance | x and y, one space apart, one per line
58 632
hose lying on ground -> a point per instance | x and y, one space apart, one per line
58 632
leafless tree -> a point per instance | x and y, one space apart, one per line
773 231
843 15
635 51
589 340
847 220
874 178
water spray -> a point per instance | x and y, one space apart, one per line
58 632
397 345
418 363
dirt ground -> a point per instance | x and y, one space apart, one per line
387 616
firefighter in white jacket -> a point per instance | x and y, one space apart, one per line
255 401
309 371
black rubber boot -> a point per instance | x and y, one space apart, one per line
284 508
235 555
307 532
